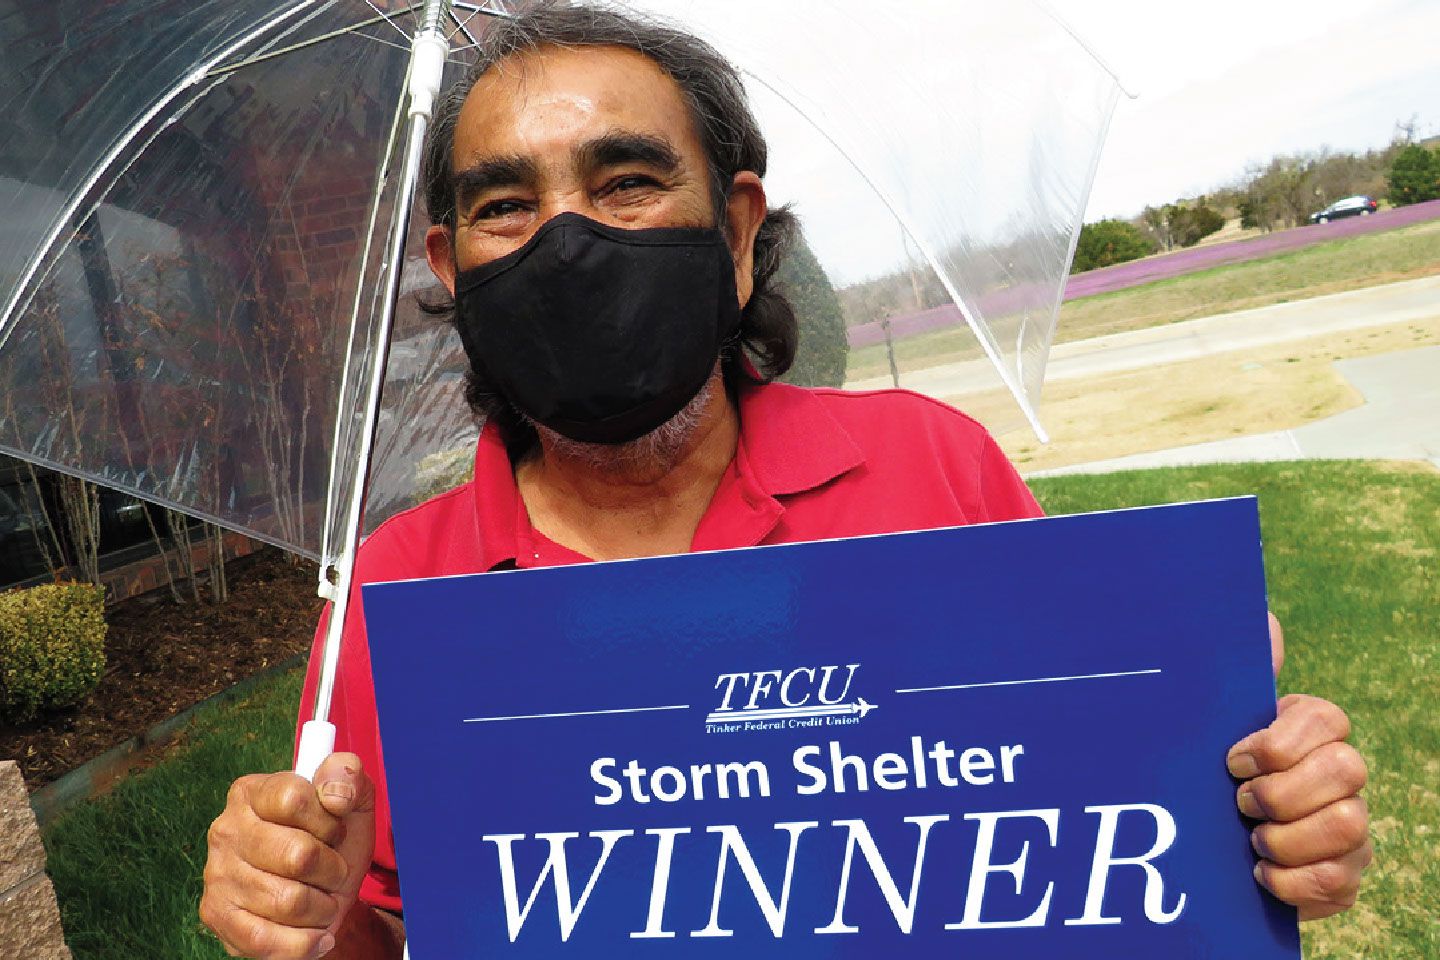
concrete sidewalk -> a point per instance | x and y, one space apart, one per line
1400 420
1177 342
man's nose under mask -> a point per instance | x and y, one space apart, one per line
599 333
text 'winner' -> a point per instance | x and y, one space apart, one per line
1000 842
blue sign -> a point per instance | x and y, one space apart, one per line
992 741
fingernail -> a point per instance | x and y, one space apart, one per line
1259 874
1248 805
338 790
1242 766
327 943
1257 843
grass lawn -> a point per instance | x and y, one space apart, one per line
1346 264
1351 551
127 867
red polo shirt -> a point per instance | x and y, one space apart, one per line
810 465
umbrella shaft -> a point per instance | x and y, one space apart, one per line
419 119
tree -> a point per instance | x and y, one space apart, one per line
1281 193
1250 214
823 348
1109 242
1189 225
1414 176
1154 219
46 347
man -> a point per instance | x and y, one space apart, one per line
601 221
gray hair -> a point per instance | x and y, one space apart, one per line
728 132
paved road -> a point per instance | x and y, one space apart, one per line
1138 272
1400 420
1176 342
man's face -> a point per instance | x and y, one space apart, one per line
600 131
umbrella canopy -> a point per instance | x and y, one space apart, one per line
195 197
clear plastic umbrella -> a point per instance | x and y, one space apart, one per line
207 248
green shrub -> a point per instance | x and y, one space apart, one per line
52 647
1190 225
1414 176
823 349
443 470
1108 242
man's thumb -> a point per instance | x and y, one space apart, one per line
344 787
346 791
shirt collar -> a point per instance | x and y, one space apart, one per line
497 501
789 443
792 443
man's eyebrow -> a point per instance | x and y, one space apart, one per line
493 172
622 146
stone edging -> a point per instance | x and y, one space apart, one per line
94 775
29 917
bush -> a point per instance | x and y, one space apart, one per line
52 647
1107 243
823 349
1190 225
1414 176
443 470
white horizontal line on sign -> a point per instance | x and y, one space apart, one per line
578 713
1016 683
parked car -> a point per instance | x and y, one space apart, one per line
1349 207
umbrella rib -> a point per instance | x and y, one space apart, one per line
342 31
11 307
986 344
383 42
462 26
1049 10
474 10
387 17
332 492
484 10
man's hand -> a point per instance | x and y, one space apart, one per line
1303 781
286 859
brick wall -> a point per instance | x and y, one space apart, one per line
148 573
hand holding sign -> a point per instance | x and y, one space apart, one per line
1303 781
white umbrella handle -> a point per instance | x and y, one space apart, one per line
317 741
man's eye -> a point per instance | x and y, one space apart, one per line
631 181
499 208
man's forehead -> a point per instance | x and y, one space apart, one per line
550 99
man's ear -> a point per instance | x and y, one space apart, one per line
440 251
744 212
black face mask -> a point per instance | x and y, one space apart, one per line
599 333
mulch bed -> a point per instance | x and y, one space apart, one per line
162 658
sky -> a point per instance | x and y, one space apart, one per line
1219 87
1230 83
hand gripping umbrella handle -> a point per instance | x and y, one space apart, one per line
317 741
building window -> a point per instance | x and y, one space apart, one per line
125 532
22 530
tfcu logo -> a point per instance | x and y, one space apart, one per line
780 699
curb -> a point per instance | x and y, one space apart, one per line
88 779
